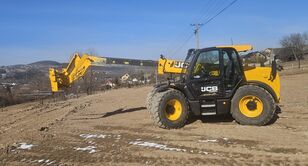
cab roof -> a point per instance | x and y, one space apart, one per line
238 48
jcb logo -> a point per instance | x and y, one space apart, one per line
179 64
211 89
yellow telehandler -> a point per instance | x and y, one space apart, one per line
213 81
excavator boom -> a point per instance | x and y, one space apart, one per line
76 68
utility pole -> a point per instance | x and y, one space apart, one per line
197 27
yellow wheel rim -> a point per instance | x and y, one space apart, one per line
251 106
173 109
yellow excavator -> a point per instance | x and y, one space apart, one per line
213 81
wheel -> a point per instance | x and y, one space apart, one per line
169 109
149 98
252 105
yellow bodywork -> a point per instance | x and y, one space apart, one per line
170 66
255 74
75 69
238 48
263 75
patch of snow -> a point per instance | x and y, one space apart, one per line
43 161
156 146
40 160
208 140
226 139
91 149
87 136
117 137
25 146
203 152
51 162
91 142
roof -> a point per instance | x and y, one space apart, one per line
238 48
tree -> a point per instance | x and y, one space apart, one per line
295 42
306 37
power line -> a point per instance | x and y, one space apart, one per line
183 44
198 25
225 8
208 21
207 11
203 12
216 7
211 9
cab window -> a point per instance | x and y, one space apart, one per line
231 68
207 65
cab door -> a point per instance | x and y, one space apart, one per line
232 74
205 78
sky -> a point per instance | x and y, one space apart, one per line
34 30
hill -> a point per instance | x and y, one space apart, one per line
45 63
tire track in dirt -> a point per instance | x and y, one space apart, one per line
110 150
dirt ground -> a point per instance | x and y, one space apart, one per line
114 128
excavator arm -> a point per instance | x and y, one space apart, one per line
76 68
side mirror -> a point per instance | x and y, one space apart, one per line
274 70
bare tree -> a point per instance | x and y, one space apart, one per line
306 37
295 42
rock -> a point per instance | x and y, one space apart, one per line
44 128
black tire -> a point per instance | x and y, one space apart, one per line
158 107
150 98
268 102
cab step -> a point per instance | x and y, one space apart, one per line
208 107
